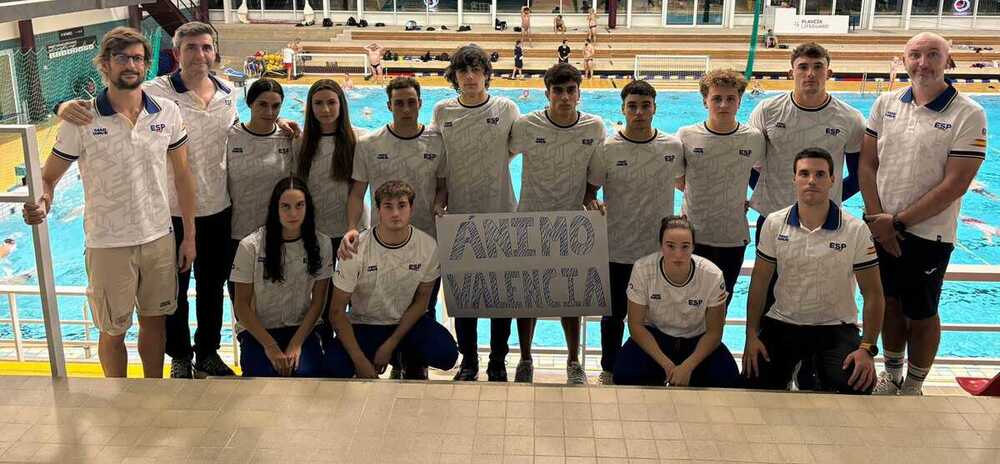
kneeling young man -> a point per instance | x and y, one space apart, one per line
388 283
676 311
816 249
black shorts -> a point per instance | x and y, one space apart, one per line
518 64
915 278
564 60
728 259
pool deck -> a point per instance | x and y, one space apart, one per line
290 421
549 369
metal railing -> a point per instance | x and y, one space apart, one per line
956 272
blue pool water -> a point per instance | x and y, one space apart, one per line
961 302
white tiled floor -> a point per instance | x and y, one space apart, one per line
289 421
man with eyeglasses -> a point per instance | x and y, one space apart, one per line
123 154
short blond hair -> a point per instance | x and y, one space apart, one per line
727 78
117 40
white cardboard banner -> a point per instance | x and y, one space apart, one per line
545 264
786 21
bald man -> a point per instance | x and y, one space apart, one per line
923 146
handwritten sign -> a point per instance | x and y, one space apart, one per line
524 264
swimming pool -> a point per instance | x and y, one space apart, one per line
961 302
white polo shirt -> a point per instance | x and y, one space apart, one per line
285 303
677 308
556 158
478 164
207 126
914 145
329 195
638 181
256 162
815 268
382 156
716 174
383 279
124 170
835 127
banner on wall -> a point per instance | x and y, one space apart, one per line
71 47
524 264
786 21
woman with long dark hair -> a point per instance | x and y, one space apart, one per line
325 156
257 156
282 272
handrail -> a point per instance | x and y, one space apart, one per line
955 272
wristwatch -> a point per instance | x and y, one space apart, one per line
897 224
871 348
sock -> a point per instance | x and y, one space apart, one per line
894 365
915 377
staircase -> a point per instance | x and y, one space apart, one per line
169 16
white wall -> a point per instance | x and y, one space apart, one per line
65 21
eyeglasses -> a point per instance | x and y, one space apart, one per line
124 59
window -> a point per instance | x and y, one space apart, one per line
989 7
925 7
648 6
819 7
888 7
849 7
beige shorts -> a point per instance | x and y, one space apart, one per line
124 278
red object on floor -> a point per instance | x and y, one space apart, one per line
980 386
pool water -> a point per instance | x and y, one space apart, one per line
961 302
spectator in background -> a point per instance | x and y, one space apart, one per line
518 61
770 40
525 24
558 25
564 52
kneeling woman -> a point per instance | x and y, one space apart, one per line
282 272
388 283
676 311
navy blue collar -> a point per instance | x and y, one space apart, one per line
178 83
104 107
832 221
939 104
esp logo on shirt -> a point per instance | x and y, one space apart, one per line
372 268
655 296
668 158
695 302
157 127
493 121
587 141
838 246
430 156
745 153
382 156
942 125
415 267
832 131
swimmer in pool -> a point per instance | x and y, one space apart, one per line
7 247
988 231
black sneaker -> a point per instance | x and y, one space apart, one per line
211 365
496 372
467 373
180 369
415 373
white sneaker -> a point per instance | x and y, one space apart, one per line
606 378
885 385
910 390
575 374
